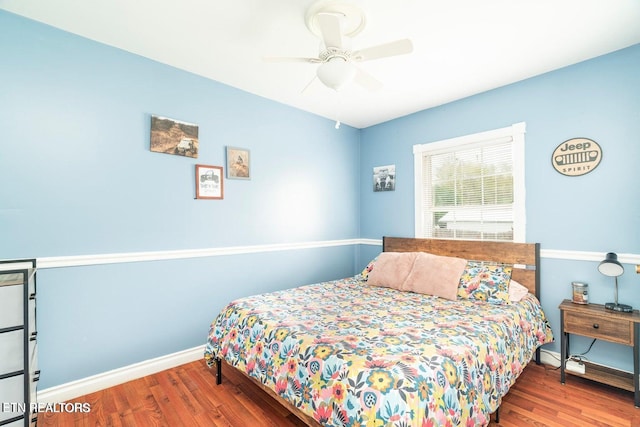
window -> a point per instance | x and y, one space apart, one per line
472 187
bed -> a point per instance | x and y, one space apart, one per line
377 349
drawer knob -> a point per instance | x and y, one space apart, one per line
596 326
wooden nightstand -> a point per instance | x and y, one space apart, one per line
594 321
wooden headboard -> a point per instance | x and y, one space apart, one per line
524 256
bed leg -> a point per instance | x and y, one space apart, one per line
497 415
538 360
218 371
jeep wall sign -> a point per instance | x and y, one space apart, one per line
577 156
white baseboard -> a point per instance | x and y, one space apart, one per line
63 392
550 358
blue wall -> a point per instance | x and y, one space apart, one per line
78 179
597 212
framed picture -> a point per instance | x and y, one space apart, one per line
384 178
174 137
238 163
209 182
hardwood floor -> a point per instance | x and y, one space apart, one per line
188 396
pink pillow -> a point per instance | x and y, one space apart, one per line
435 275
516 291
391 269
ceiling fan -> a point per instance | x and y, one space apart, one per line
335 22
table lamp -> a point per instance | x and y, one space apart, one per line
610 266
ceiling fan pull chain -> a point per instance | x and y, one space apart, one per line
339 95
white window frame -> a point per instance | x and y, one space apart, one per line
514 133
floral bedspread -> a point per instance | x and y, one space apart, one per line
350 354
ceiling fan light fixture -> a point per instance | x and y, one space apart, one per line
336 73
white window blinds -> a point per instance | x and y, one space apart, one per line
472 187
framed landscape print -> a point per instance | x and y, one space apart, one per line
238 163
174 137
209 182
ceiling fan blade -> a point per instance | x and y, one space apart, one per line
331 29
398 47
287 59
366 80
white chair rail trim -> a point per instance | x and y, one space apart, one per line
82 260
587 256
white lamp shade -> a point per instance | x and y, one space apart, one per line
610 266
336 73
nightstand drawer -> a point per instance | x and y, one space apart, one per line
608 329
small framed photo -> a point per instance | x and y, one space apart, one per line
384 178
238 163
209 182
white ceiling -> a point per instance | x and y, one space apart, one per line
461 47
